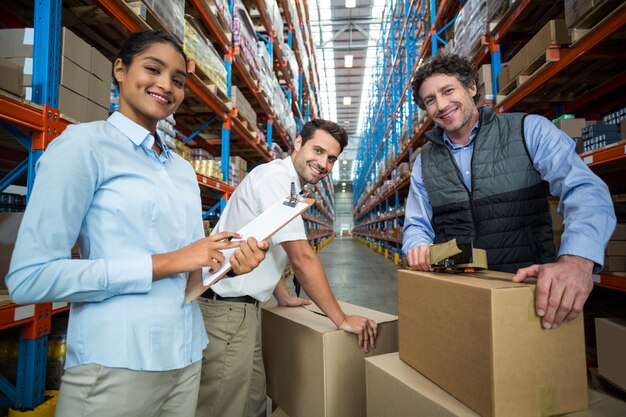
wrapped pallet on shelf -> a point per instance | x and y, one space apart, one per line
199 48
245 37
171 13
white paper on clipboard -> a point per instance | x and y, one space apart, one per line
261 228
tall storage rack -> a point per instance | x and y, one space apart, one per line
585 77
34 126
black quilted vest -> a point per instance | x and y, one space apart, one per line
506 212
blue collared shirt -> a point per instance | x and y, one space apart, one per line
100 184
585 200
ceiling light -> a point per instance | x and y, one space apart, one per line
343 184
350 4
343 191
345 161
347 101
347 61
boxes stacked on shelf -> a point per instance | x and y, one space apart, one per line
84 79
615 259
181 149
292 67
618 117
572 127
245 37
470 25
598 136
485 85
532 55
166 129
221 9
243 107
237 169
485 356
208 168
276 20
171 13
206 58
611 345
264 60
586 13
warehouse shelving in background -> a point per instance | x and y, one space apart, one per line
584 76
210 118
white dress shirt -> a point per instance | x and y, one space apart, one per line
260 189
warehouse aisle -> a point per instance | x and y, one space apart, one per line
359 276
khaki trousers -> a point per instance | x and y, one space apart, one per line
97 391
233 377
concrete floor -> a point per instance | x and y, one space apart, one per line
359 276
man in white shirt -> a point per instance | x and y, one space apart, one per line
233 377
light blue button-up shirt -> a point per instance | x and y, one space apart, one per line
585 200
102 185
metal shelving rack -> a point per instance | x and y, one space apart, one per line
392 106
44 122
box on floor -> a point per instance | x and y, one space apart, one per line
478 337
279 413
395 389
611 348
315 370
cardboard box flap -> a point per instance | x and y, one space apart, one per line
351 309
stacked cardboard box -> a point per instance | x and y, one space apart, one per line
84 84
485 85
598 136
243 106
615 259
395 389
315 370
477 337
611 345
528 59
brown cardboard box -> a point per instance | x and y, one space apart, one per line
99 91
76 49
572 127
74 77
586 13
620 232
616 248
553 33
72 104
26 66
279 413
478 337
611 344
17 43
9 226
11 77
503 77
518 63
95 112
484 77
395 389
101 67
614 263
315 370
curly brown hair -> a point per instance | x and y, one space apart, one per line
450 64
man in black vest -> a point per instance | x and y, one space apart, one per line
482 178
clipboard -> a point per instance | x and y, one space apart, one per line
261 227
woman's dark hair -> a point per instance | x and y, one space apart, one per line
450 64
138 42
336 131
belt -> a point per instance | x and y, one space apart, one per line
210 294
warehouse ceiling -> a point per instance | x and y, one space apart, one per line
339 32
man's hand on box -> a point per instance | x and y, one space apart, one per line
419 258
364 328
562 288
292 301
